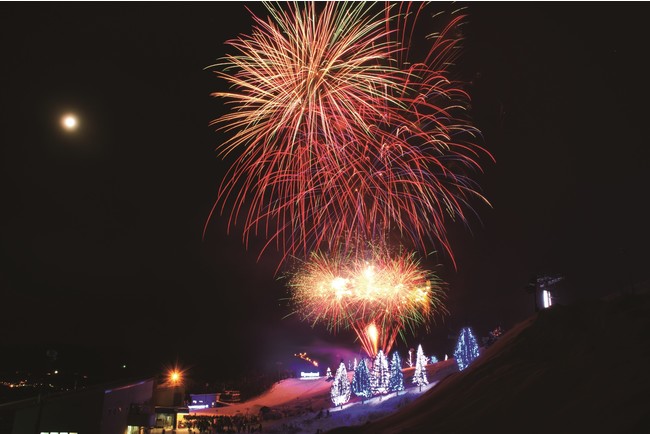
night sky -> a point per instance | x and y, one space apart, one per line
101 231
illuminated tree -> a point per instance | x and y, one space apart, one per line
466 348
409 361
420 375
425 359
396 381
361 381
380 375
340 391
328 374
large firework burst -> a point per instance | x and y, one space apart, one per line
340 136
378 297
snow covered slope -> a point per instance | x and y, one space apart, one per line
583 368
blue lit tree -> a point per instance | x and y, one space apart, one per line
396 381
466 349
340 391
361 381
380 375
420 375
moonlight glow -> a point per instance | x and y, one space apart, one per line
69 122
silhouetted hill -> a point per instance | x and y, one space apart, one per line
583 368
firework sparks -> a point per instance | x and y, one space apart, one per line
373 337
340 137
378 298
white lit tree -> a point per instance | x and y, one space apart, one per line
396 382
340 391
328 374
425 359
361 381
466 349
380 375
420 375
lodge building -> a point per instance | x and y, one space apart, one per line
130 407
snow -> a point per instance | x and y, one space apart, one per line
306 406
567 369
572 369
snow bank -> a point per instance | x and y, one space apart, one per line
305 405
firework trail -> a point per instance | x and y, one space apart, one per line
338 136
378 297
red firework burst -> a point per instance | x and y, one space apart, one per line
339 136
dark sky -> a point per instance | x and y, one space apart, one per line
101 231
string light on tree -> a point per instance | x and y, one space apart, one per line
420 375
466 348
380 375
340 391
396 382
425 359
361 381
409 361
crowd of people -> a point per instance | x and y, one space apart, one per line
238 423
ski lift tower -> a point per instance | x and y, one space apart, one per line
542 288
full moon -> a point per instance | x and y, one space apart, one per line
69 122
